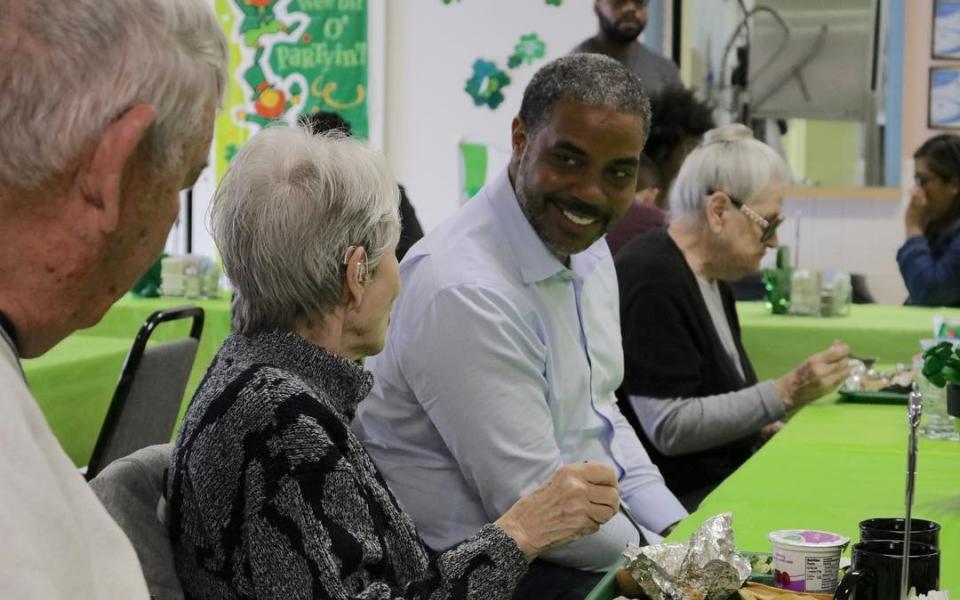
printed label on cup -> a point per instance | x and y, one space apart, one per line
806 561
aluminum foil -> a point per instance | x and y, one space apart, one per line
708 566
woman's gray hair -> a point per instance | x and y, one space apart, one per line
289 207
729 160
70 68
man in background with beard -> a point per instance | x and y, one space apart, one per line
621 23
504 350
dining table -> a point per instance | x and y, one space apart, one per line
890 334
834 464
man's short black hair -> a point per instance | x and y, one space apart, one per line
322 122
590 79
677 117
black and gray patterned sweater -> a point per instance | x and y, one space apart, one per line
271 495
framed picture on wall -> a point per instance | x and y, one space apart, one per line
946 29
943 111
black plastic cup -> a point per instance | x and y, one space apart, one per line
875 571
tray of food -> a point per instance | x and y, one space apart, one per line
875 386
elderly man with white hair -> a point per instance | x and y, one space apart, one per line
688 388
107 114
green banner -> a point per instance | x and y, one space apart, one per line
287 58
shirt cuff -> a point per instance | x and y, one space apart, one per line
656 507
771 400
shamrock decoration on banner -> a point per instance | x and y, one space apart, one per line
486 83
528 49
554 2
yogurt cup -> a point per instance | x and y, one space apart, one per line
805 560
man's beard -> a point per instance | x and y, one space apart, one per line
536 219
535 214
612 31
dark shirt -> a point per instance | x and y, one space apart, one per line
671 350
271 494
930 267
655 71
638 219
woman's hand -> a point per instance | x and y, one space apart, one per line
917 216
816 376
576 501
770 430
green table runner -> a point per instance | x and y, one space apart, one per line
73 384
778 343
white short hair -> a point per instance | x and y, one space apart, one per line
729 160
69 68
286 212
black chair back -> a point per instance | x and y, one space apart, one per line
150 390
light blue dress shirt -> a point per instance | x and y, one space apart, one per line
500 365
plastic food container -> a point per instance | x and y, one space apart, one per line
806 560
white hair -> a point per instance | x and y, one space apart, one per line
288 209
69 68
729 160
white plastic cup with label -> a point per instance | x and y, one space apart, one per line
807 561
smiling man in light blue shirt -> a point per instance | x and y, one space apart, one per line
504 348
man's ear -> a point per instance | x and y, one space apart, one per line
101 177
356 277
518 138
596 8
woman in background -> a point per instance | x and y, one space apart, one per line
689 389
929 259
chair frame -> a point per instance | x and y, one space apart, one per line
130 366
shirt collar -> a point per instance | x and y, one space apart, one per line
534 259
344 382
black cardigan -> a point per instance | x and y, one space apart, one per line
672 350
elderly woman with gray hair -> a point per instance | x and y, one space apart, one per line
271 495
689 389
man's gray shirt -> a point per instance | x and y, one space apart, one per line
655 71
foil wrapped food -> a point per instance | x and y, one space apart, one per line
708 566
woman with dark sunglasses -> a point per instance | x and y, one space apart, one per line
689 389
929 259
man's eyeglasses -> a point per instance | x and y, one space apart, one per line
768 229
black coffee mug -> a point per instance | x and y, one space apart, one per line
875 571
891 529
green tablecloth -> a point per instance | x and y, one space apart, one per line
73 384
832 466
777 343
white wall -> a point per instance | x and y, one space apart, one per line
431 48
852 234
